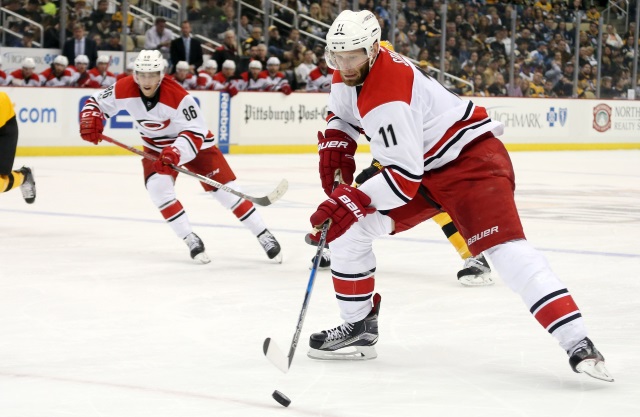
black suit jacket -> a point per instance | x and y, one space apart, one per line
177 53
90 50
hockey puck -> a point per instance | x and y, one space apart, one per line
281 398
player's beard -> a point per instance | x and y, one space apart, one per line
363 71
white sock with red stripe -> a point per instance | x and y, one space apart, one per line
353 266
243 209
162 193
527 272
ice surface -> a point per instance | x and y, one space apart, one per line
103 313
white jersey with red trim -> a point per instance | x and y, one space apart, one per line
16 79
412 122
221 82
189 83
274 82
204 81
51 80
319 81
105 80
171 118
246 83
3 78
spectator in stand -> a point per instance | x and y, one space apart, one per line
262 54
554 69
253 40
227 21
275 79
498 88
548 89
159 37
187 48
593 14
27 40
112 43
303 70
564 87
51 35
277 43
101 74
127 71
226 80
25 76
205 77
536 86
49 8
184 77
57 75
479 86
228 50
612 38
32 11
320 78
81 11
80 74
245 28
252 79
116 22
210 13
98 15
80 45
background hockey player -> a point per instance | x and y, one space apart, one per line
172 127
80 74
57 75
433 146
10 178
25 76
205 76
253 79
319 79
101 74
182 76
276 80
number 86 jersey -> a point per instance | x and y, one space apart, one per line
412 122
171 117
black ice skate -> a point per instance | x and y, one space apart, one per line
357 339
476 272
270 245
585 358
28 186
196 246
325 260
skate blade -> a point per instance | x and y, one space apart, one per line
594 369
202 258
483 280
278 258
361 353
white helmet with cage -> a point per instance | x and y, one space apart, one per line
61 60
352 31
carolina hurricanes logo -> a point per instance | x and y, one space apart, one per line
154 125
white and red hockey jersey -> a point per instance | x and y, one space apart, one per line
204 81
171 118
274 82
3 77
319 81
17 79
189 83
412 122
51 80
104 79
246 83
221 82
83 80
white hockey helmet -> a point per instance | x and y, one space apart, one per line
211 63
182 65
103 59
229 64
28 63
149 61
82 59
352 31
61 60
255 64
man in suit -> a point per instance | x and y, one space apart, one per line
186 48
80 45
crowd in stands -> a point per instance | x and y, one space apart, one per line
477 43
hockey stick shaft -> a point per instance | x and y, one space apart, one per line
274 354
261 201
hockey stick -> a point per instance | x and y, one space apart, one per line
269 347
261 201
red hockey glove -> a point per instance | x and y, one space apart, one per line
336 151
169 155
286 89
232 90
91 125
345 206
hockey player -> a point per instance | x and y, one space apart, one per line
9 178
183 77
253 79
319 79
100 72
58 75
80 75
3 75
205 77
275 79
127 72
25 76
172 127
435 148
225 79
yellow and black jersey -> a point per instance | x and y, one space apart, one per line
6 109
